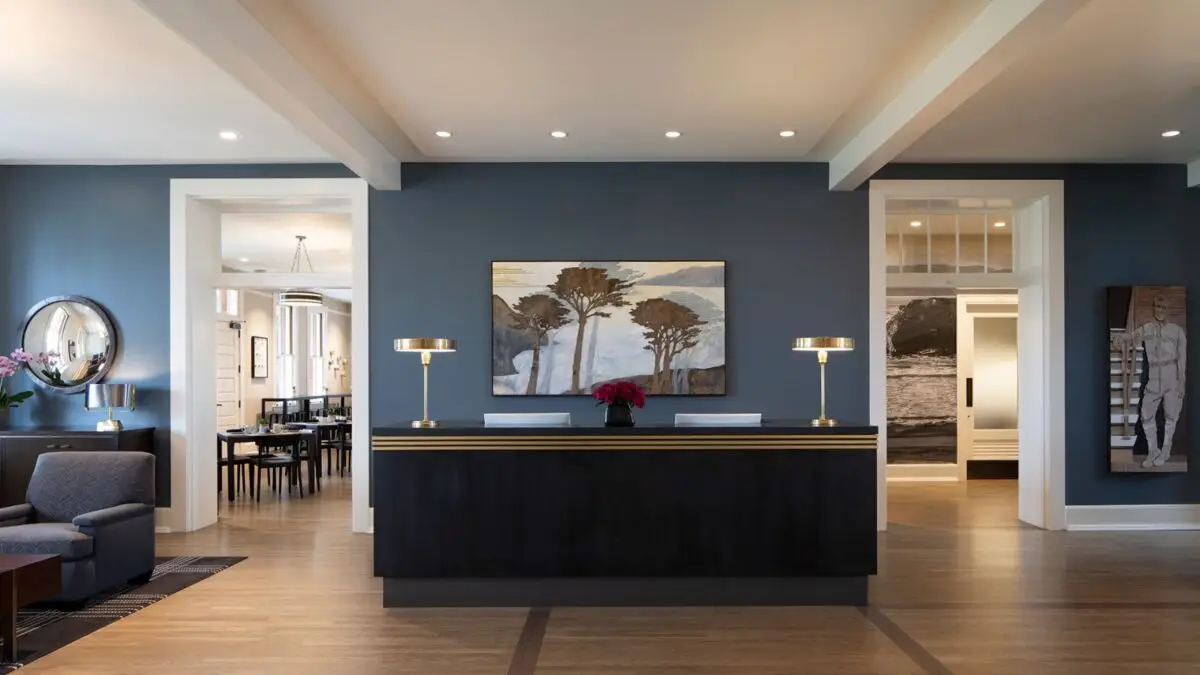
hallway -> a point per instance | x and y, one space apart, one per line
962 589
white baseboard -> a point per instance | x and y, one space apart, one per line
1133 517
162 529
922 473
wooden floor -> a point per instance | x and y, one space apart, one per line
963 588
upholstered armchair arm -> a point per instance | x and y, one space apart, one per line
111 515
17 514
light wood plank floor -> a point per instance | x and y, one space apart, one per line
963 589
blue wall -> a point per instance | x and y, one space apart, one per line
796 265
1125 225
796 256
104 233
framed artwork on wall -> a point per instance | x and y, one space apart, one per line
258 357
1147 378
922 376
563 328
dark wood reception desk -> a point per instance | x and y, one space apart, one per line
782 513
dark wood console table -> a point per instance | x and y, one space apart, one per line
781 513
20 448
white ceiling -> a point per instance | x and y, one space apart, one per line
617 74
267 241
100 81
256 241
1102 89
367 82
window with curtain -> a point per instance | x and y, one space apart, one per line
285 359
316 352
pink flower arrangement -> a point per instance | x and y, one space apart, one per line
624 393
9 365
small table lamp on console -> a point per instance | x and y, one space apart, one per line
111 396
426 347
822 346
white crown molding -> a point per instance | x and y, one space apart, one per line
1133 517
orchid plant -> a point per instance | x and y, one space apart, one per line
9 365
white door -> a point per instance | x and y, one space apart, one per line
229 378
987 379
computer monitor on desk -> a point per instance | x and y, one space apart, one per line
527 420
718 420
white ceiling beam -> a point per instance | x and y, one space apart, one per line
1193 173
273 51
1000 32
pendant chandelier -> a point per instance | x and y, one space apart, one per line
301 298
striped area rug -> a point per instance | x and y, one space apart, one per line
41 630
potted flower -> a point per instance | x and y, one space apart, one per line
620 397
9 365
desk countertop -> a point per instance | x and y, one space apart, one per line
768 427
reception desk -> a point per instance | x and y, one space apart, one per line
781 513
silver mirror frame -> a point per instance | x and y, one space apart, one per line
110 353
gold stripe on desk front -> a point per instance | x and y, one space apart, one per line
631 442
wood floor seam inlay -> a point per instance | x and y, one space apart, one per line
905 642
529 645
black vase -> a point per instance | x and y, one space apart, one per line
618 416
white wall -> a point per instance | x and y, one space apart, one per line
337 340
258 317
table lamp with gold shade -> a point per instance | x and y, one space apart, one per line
425 347
111 396
822 346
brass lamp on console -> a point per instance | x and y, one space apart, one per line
822 346
111 396
426 347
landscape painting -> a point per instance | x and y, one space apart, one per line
1147 379
565 328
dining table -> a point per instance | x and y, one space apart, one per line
329 430
230 440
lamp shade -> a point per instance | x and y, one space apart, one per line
823 344
425 345
111 396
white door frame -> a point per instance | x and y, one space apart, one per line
1038 263
195 261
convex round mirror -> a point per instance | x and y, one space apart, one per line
73 341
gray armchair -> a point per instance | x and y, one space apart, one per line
95 510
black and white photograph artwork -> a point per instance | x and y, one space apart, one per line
258 357
1147 378
563 328
922 388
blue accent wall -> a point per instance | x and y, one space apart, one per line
1136 225
103 233
796 258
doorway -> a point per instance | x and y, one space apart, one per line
196 270
935 264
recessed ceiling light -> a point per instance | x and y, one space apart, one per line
915 223
1172 133
787 133
243 260
673 134
558 134
1000 223
229 135
442 134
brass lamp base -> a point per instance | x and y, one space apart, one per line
424 424
109 425
824 422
